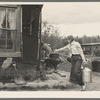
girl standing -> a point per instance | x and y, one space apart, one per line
77 57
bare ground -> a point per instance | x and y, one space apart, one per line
54 82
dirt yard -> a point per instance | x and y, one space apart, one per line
54 82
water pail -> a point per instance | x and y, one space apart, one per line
87 75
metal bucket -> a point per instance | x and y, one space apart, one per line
87 75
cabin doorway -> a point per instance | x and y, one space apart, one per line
30 29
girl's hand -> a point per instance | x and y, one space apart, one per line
55 50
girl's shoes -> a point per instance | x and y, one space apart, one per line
83 88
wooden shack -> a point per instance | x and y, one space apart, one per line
20 34
91 48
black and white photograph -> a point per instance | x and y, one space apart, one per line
50 47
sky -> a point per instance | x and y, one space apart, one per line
74 18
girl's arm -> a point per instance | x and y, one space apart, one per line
81 52
63 48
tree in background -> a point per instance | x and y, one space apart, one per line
50 35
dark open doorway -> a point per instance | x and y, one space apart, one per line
30 32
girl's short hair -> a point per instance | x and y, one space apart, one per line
70 37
